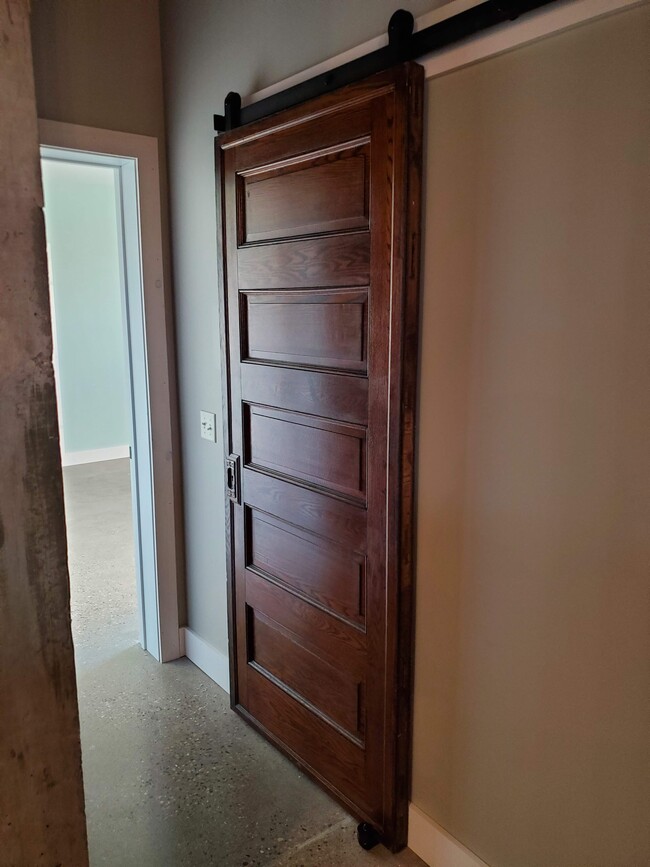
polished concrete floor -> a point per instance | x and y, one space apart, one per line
172 776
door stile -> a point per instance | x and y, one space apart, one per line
405 334
238 554
224 344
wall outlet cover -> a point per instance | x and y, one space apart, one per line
208 426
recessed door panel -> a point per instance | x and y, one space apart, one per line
330 637
317 329
306 448
288 200
320 742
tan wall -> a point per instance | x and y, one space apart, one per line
533 627
98 63
41 794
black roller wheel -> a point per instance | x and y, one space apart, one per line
367 836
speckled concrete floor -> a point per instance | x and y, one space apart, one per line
173 778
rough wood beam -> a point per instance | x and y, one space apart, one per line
42 818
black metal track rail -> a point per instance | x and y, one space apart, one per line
403 45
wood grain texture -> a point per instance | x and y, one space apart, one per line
42 820
321 743
330 690
310 509
338 260
327 636
312 329
318 570
331 455
341 397
287 200
321 239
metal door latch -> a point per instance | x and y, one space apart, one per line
232 477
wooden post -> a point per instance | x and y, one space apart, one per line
42 819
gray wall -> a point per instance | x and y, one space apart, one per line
533 628
532 639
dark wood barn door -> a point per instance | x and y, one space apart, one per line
320 208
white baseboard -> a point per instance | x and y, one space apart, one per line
206 657
91 456
435 846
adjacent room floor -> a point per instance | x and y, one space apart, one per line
172 776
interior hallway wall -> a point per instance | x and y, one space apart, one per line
99 64
533 598
532 639
42 818
81 218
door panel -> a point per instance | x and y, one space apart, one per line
320 209
325 329
306 448
284 201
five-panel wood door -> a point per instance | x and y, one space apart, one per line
320 243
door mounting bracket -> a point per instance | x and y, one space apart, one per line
403 45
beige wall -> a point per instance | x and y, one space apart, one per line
532 667
98 63
42 819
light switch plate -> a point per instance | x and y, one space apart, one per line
208 426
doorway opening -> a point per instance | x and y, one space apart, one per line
93 386
100 361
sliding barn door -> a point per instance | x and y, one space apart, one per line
320 208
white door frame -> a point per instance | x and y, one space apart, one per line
154 480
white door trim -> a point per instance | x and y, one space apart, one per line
139 155
545 21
